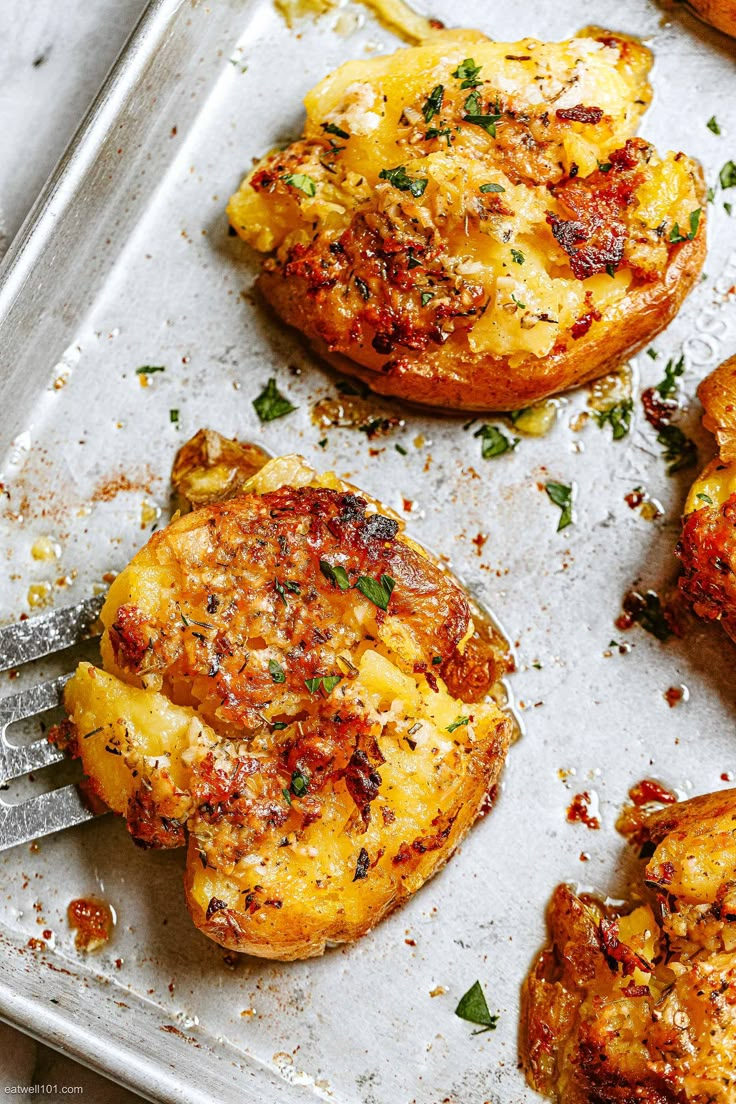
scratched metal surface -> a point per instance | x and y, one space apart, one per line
127 262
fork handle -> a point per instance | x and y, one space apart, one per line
49 632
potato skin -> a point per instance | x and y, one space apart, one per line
449 377
719 13
638 1002
532 255
707 545
312 808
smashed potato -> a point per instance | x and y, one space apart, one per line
471 224
277 695
637 1002
707 546
719 13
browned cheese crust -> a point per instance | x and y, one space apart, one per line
636 1004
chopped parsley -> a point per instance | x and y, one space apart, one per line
712 124
401 450
646 610
517 256
494 442
333 128
427 297
473 1007
491 188
377 592
271 403
667 387
618 417
605 166
299 783
149 369
433 103
326 682
679 451
276 671
399 178
611 270
458 723
441 132
337 575
301 182
518 303
486 122
561 495
703 497
467 72
727 175
652 353
472 104
174 417
676 234
727 208
279 588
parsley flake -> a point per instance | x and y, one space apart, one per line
337 575
491 188
457 723
433 104
174 417
271 403
379 593
712 124
561 495
325 682
399 178
427 297
301 182
667 387
299 783
676 234
467 72
517 256
494 442
276 671
486 122
473 1007
727 175
679 451
149 369
333 128
618 417
703 497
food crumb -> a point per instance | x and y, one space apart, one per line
92 922
674 695
582 808
438 991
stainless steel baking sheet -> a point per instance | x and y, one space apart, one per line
126 261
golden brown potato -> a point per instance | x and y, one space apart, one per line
471 224
278 694
210 468
719 13
707 546
636 1004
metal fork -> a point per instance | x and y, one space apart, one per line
21 643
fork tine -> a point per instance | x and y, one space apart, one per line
41 815
15 761
49 632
